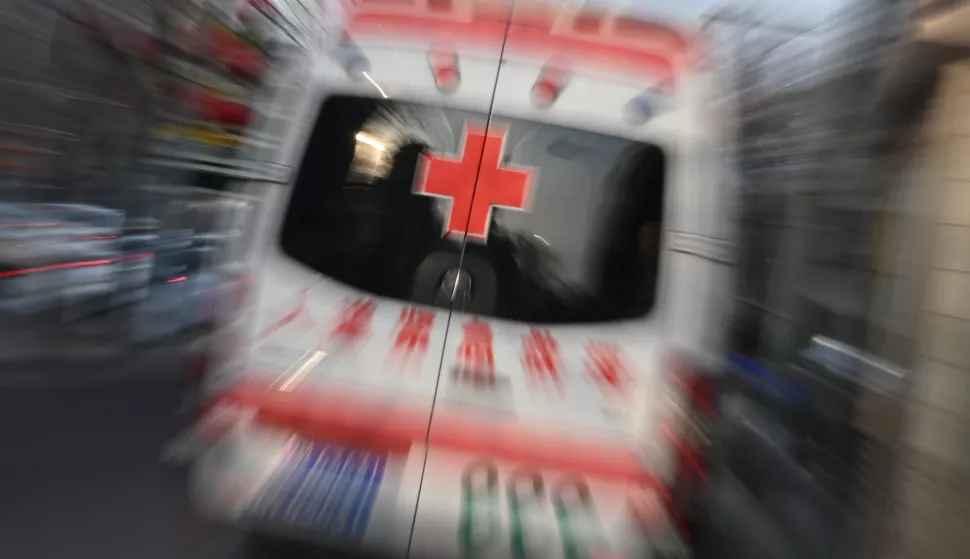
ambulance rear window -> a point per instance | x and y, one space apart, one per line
584 246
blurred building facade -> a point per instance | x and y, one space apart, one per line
923 291
852 226
121 122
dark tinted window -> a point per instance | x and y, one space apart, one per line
586 250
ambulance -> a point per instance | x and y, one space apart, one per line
488 305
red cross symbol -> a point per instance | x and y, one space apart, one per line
605 363
471 209
540 355
414 330
355 319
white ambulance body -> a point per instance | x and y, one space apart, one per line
501 225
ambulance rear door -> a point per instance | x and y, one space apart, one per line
553 374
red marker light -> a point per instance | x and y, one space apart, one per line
64 266
80 264
444 68
549 86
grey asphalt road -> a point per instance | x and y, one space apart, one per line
80 475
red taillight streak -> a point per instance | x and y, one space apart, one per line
330 414
65 265
68 265
604 26
178 279
517 444
684 451
490 33
638 29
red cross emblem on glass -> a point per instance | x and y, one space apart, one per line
498 186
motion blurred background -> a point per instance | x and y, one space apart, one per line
123 124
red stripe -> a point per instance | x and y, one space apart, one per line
588 23
481 33
288 318
489 33
638 29
354 419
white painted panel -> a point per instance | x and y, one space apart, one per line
956 200
958 160
946 292
952 248
942 386
945 338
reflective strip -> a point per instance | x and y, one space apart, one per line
323 488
